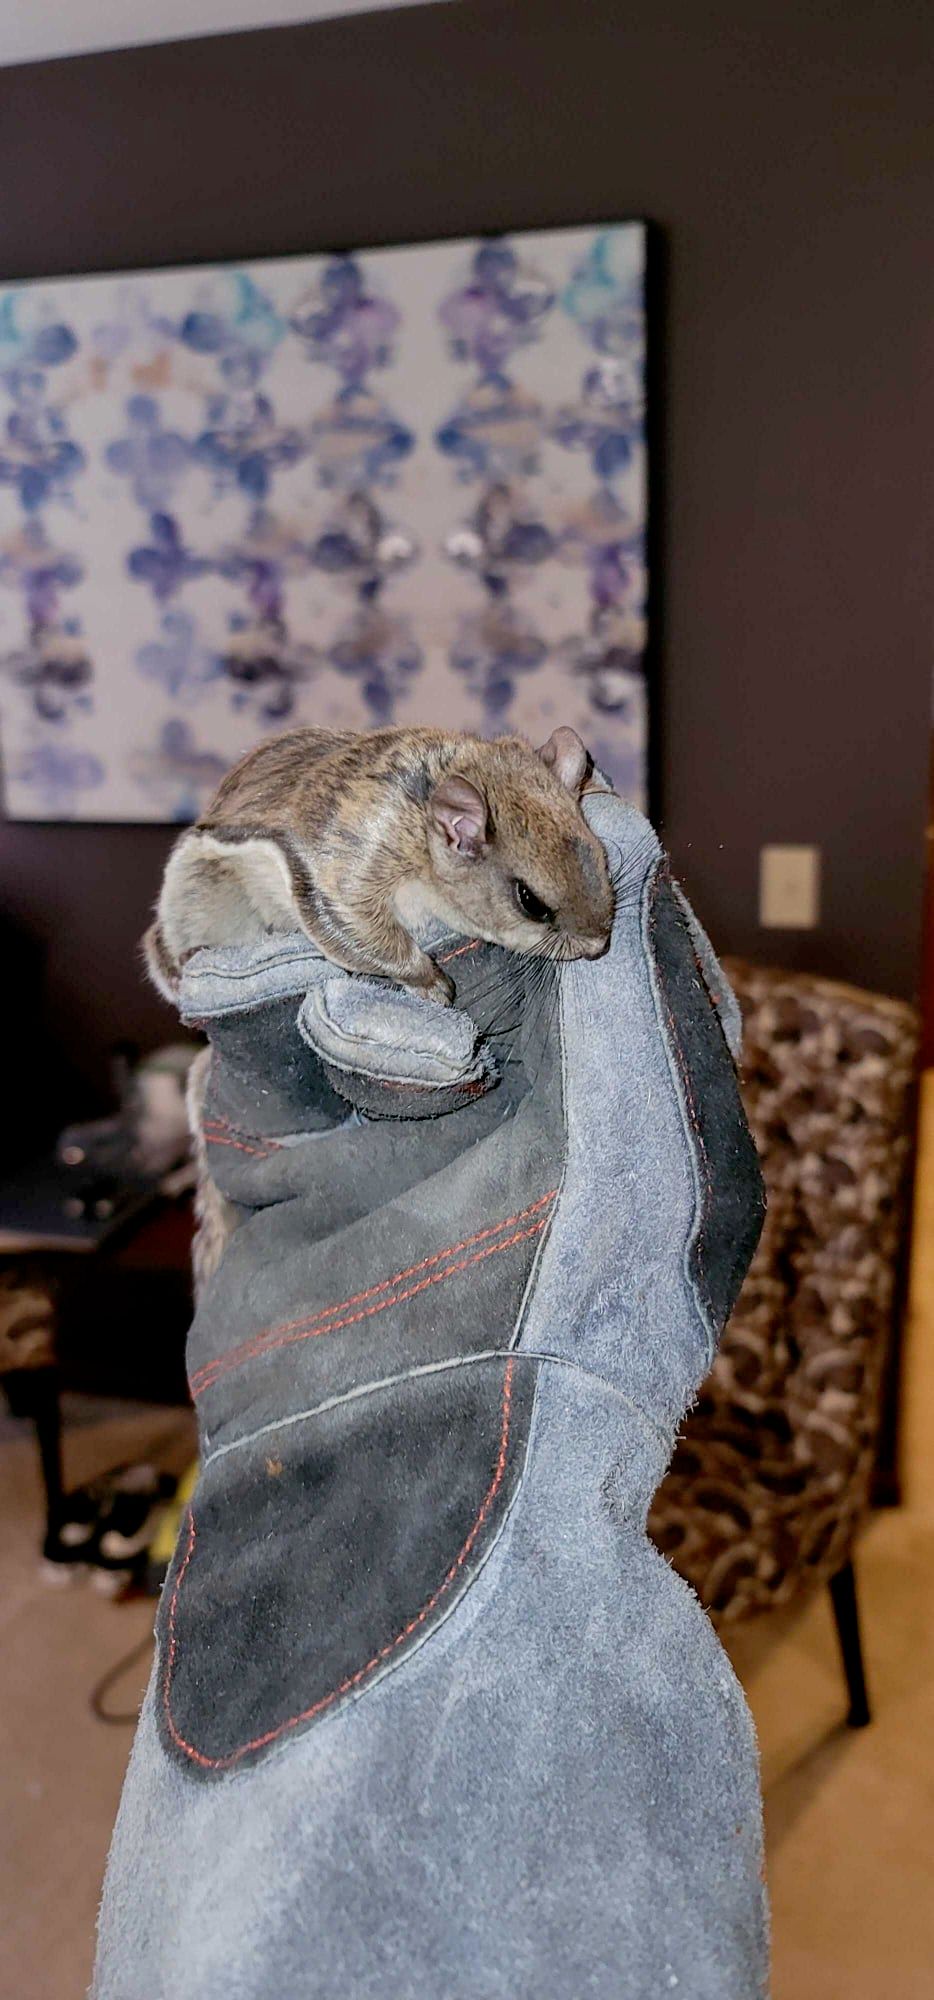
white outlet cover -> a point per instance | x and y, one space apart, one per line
789 888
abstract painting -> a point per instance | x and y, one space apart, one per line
398 486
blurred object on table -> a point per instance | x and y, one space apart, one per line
105 1161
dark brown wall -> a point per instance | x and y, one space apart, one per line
788 153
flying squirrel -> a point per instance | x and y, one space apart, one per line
356 838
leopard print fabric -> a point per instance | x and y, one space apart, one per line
773 1469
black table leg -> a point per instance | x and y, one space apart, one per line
846 1613
34 1393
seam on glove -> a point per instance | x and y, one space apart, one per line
540 1355
219 1132
313 1326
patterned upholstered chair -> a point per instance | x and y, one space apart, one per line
773 1471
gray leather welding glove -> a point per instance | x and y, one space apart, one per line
430 1719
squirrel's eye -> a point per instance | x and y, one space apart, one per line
532 905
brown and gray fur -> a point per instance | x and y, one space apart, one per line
355 838
215 1216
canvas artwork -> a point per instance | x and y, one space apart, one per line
399 486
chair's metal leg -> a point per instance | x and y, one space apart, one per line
846 1613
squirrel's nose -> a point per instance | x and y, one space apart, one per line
594 947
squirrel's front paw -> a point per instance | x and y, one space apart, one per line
434 984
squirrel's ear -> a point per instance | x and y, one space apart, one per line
222 885
457 811
566 756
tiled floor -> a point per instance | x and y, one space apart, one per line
849 1816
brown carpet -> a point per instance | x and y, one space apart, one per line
60 1769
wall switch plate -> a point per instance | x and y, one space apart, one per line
789 888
